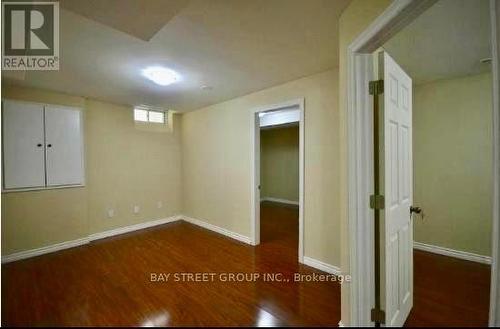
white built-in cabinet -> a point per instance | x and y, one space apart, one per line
42 146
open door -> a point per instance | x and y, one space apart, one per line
397 181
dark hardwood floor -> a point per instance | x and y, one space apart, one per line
449 292
109 282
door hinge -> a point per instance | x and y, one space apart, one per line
376 87
377 201
378 315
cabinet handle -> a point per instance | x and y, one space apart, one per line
39 145
49 145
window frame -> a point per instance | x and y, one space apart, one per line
148 110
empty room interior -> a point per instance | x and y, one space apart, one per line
279 180
250 163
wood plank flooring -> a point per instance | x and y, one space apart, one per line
449 292
109 283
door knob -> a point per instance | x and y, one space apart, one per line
49 145
39 145
416 210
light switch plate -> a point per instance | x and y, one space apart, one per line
136 209
111 213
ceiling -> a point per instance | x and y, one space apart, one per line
152 18
233 46
446 41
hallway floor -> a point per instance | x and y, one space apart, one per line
449 292
108 282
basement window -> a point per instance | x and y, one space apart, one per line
144 114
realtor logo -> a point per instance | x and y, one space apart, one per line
30 35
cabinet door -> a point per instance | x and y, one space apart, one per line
64 145
23 145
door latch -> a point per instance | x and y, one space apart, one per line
416 210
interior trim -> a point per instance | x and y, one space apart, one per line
82 241
132 228
217 229
452 253
278 200
44 250
325 267
359 262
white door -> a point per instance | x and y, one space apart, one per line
398 191
23 145
64 145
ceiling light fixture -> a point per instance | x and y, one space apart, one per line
161 75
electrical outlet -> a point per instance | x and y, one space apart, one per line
111 213
136 209
159 204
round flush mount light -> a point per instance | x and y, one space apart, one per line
161 75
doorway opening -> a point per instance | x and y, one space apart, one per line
451 149
278 174
279 180
398 18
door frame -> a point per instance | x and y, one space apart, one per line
360 156
494 318
255 167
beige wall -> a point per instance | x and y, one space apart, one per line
452 155
279 163
355 18
129 166
216 144
125 165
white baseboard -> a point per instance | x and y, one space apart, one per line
44 250
121 230
278 200
328 268
131 228
78 242
452 253
217 229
